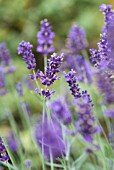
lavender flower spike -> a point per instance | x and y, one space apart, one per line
45 36
4 55
25 50
76 39
3 154
48 136
71 80
53 67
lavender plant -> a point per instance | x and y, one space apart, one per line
68 132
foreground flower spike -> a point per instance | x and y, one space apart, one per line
60 109
45 36
2 82
103 57
86 122
76 39
48 135
25 50
53 67
3 154
72 80
4 55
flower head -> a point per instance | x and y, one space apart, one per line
25 50
45 36
76 39
5 57
86 122
4 157
50 140
71 79
2 82
53 67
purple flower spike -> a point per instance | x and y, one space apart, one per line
19 89
61 110
53 67
3 153
48 136
2 82
25 50
45 36
12 142
76 39
4 55
86 123
71 80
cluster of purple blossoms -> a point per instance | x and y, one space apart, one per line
76 39
76 43
71 79
48 135
103 57
53 67
3 153
25 50
49 76
61 111
86 122
45 36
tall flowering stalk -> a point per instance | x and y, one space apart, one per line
74 55
45 38
86 122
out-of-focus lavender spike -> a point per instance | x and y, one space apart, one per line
29 83
28 163
50 140
106 87
19 89
12 142
4 55
76 39
60 109
45 38
25 50
2 82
